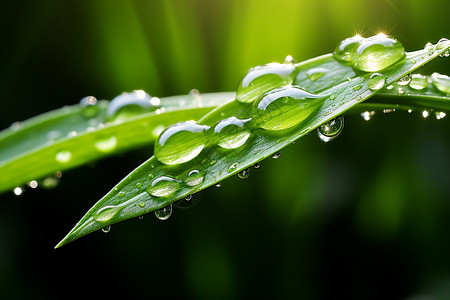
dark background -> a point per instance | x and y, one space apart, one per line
362 217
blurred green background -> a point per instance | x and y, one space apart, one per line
365 216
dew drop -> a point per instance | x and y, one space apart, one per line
231 133
367 115
218 185
128 105
276 155
107 213
139 185
232 168
244 174
344 49
289 60
142 204
163 186
418 82
18 191
257 165
405 80
376 81
441 44
285 107
121 194
357 87
261 79
33 184
164 213
106 144
180 143
63 156
441 82
440 115
331 129
377 53
89 107
194 178
106 229
425 114
316 73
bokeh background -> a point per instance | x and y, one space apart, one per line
365 216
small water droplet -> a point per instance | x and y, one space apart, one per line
376 81
388 110
367 115
141 217
194 178
257 165
180 143
418 82
425 114
163 186
332 97
429 46
18 191
121 194
344 49
33 184
232 168
51 182
276 155
106 144
441 82
390 87
285 107
106 229
440 115
377 53
331 129
316 73
357 87
142 204
164 213
289 60
405 80
16 126
359 98
219 184
63 156
244 174
231 133
139 185
261 79
89 109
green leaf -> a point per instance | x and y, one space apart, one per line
74 135
344 87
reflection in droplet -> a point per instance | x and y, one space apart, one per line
331 129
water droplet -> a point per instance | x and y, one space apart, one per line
376 81
106 144
276 155
357 87
141 217
440 115
418 82
64 156
164 213
428 46
194 178
106 229
244 174
367 115
405 80
388 110
377 53
442 44
142 204
18 191
89 108
332 97
316 73
441 82
231 133
285 107
359 98
72 134
50 182
139 185
400 91
390 87
425 114
331 129
163 186
180 143
107 213
344 49
261 79
289 60
128 105
16 126
33 184
257 165
232 168
121 194
218 185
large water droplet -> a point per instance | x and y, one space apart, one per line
331 129
89 107
441 82
163 186
180 143
377 53
261 79
107 213
106 144
128 104
285 107
418 82
405 80
344 49
376 81
164 213
63 156
231 133
316 73
194 178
